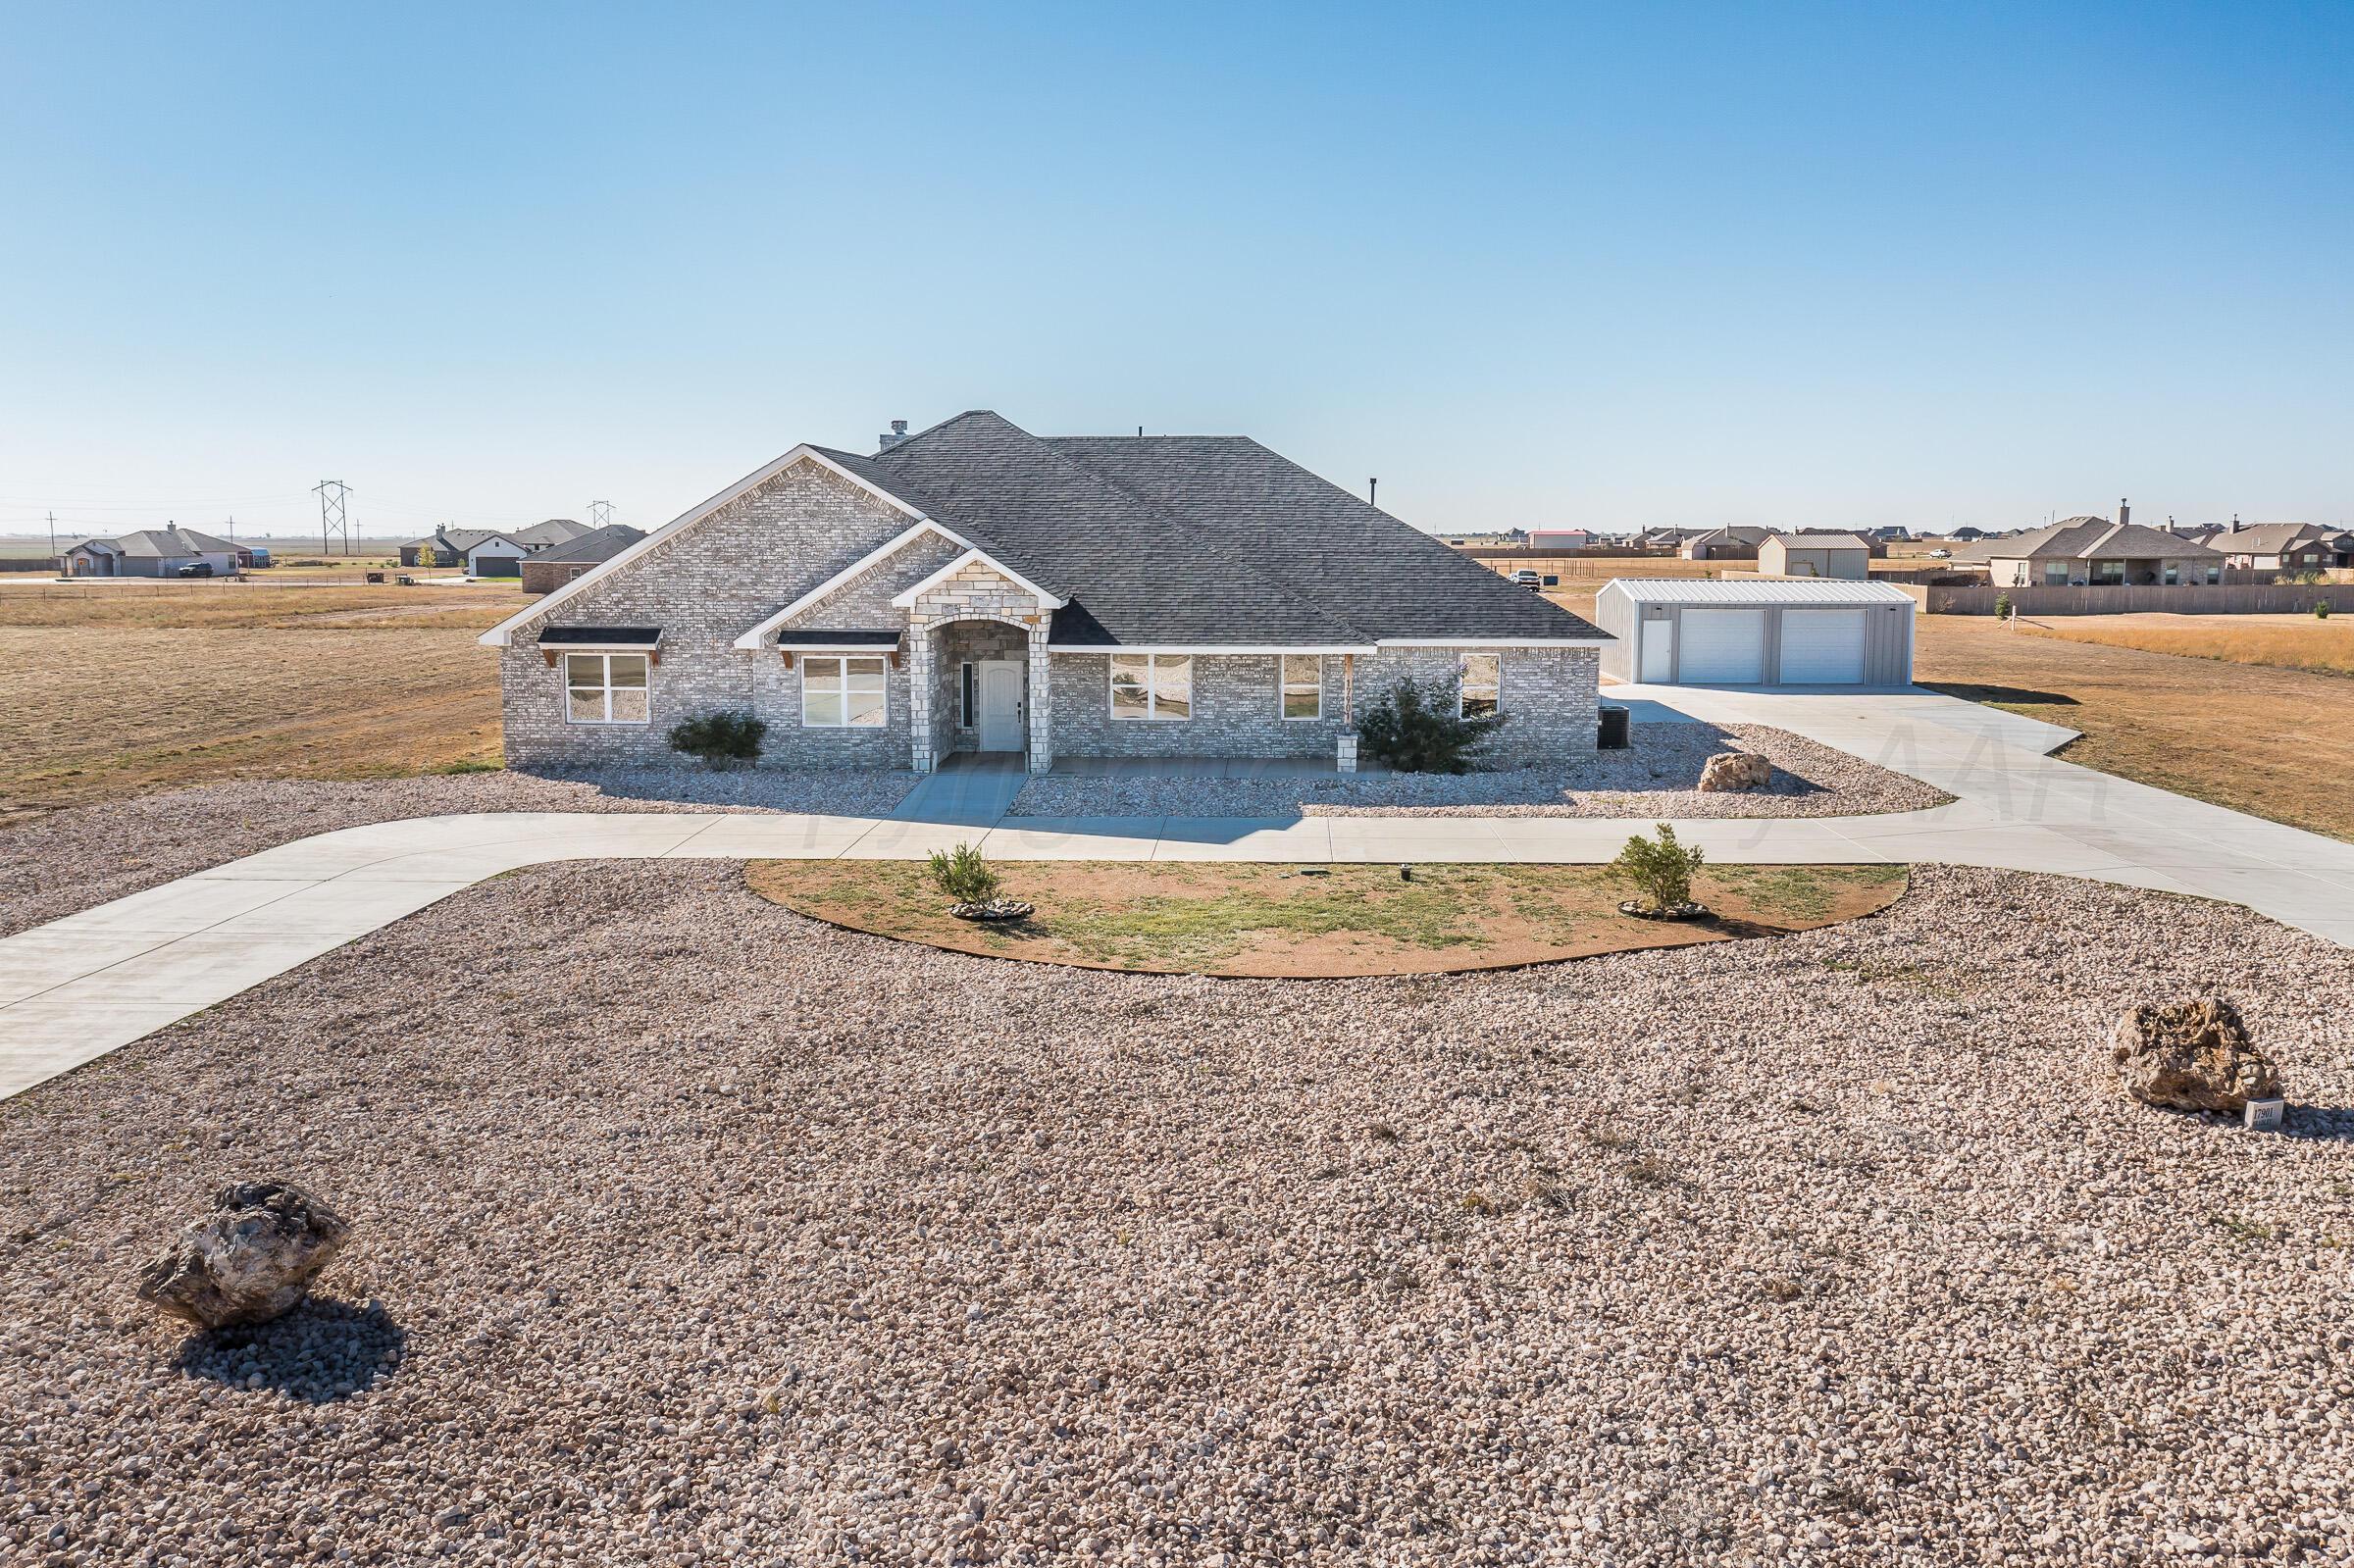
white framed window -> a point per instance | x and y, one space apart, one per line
1152 685
840 692
1303 677
605 689
1482 691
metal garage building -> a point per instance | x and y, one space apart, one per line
1755 633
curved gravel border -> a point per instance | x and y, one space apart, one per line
1651 779
691 1232
69 861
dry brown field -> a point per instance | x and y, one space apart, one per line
124 689
2284 641
2272 742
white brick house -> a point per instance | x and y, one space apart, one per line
978 588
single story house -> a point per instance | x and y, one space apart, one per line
2091 551
152 553
1558 538
1738 542
490 552
1815 555
974 587
552 567
443 546
2284 548
1753 632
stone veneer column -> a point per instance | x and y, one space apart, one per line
921 652
1041 695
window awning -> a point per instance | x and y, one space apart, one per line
806 639
601 637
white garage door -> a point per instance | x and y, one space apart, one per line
1725 648
1823 647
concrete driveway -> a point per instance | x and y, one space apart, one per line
80 987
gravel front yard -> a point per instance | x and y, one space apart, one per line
69 861
1651 779
693 1232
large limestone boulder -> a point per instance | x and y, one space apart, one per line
1736 770
2192 1056
249 1260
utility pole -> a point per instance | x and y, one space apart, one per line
335 517
56 560
600 514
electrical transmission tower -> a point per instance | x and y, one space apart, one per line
600 514
335 517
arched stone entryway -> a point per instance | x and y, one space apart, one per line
947 716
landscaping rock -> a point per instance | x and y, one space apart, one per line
1735 770
248 1261
2192 1056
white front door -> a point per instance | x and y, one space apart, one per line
1000 705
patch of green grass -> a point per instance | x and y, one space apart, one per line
468 764
2251 1232
1799 893
1428 912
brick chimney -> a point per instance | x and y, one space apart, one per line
898 434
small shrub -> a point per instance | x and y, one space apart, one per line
2002 607
1407 731
2321 609
1660 869
719 738
963 875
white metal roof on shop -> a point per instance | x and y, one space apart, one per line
1760 591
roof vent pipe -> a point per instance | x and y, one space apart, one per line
898 434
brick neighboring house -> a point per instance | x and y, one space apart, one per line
2092 551
152 553
2284 548
974 587
1738 542
559 564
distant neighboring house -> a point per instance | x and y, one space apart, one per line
151 553
1732 544
1815 555
1509 538
466 547
974 587
1558 538
2285 547
2092 551
443 546
552 569
1967 533
1891 533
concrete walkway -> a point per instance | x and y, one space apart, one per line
80 987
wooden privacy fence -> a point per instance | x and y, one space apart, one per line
2188 599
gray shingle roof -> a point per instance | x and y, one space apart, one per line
1199 541
173 541
599 544
2267 539
1136 574
555 531
2086 537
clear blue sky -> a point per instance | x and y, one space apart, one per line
1600 266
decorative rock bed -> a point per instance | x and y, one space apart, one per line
728 1237
1656 777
